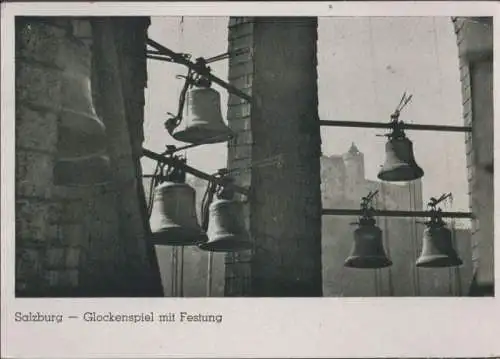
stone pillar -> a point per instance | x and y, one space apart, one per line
73 241
475 47
285 199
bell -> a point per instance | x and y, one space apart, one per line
437 249
400 164
91 171
368 249
202 118
81 132
173 218
226 228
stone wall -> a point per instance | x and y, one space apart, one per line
79 241
279 71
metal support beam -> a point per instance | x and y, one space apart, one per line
178 58
176 163
406 126
387 213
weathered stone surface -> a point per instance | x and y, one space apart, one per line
32 220
39 85
39 41
36 129
34 174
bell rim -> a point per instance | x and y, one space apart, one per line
238 245
194 241
92 116
381 262
183 136
418 171
439 261
167 185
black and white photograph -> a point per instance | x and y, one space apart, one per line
177 165
258 157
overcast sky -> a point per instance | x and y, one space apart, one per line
365 65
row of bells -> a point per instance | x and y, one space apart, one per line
82 135
82 158
174 221
203 123
368 249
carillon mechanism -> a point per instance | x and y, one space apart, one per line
199 118
400 164
81 158
173 218
226 226
368 249
437 247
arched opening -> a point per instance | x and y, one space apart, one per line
364 65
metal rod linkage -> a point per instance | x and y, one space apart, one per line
387 213
172 161
178 58
406 126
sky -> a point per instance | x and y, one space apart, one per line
364 66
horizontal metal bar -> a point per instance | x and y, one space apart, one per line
387 213
406 126
172 161
159 57
178 58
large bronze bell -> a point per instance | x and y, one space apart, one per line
202 119
81 132
173 218
226 227
400 164
91 171
437 248
368 249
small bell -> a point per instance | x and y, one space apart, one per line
400 164
226 228
202 118
368 249
91 171
437 248
173 218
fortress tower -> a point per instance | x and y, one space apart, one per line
354 162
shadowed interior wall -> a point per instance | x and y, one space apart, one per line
81 241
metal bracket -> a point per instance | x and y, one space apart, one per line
182 60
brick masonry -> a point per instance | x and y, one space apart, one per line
287 258
475 47
241 72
